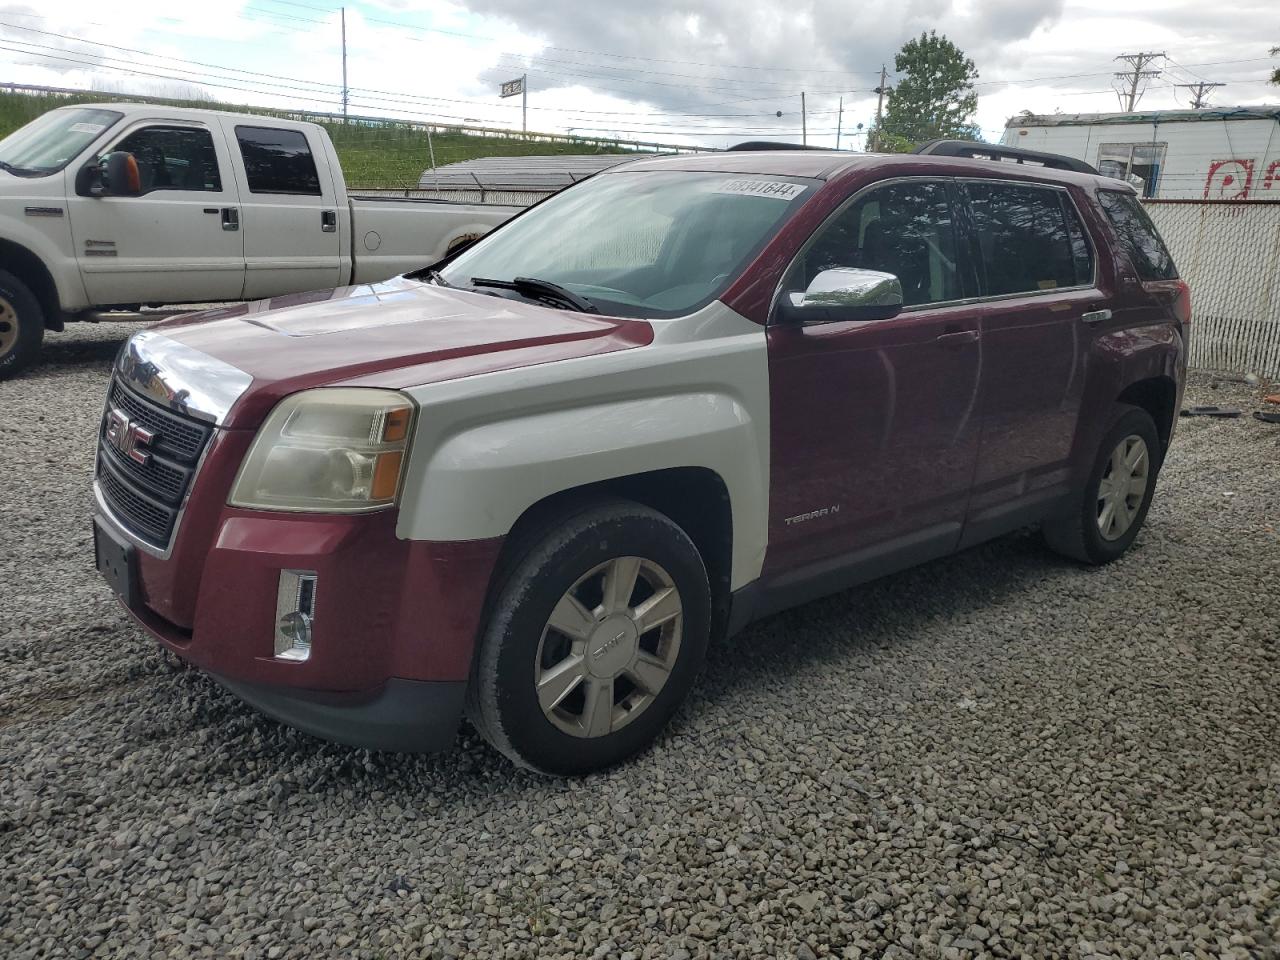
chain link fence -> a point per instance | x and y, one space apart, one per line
1229 253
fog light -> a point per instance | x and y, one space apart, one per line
295 611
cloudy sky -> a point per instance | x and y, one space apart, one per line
691 71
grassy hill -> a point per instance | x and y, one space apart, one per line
373 153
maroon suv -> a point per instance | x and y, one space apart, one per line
531 482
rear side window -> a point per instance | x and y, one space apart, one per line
278 161
1138 236
1029 238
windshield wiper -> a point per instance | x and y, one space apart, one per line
540 289
8 167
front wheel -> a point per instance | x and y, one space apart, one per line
21 326
594 641
1107 515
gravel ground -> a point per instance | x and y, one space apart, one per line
999 754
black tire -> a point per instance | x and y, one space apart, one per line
21 326
502 697
1076 532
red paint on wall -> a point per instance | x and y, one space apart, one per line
1229 180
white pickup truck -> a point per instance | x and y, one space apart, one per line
116 205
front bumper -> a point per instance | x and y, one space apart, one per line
394 627
407 716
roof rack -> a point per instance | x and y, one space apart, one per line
769 145
992 151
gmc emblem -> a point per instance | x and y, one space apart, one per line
127 437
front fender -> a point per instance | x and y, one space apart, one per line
488 448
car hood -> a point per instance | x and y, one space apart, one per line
397 333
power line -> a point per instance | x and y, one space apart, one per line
1135 75
1200 91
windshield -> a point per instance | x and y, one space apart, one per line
49 143
640 244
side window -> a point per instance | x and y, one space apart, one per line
1138 236
904 228
174 158
1028 238
278 161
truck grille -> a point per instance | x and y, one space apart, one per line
146 492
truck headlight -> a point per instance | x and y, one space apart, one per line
339 450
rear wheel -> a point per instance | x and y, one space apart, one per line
1109 512
594 641
21 325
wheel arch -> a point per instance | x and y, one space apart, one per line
31 270
696 499
1158 397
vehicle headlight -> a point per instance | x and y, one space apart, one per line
339 450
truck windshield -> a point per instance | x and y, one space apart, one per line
49 143
637 244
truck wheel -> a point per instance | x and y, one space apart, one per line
21 325
594 640
1111 509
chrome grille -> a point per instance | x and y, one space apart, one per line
147 497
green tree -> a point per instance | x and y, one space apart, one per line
933 97
1275 74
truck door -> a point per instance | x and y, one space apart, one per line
169 244
289 212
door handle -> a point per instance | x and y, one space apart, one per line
230 218
1095 316
957 338
329 221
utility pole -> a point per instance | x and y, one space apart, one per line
344 64
524 104
1200 92
804 122
1133 77
839 122
884 80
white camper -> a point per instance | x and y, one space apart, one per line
1229 153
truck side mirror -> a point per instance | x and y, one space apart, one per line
116 175
844 294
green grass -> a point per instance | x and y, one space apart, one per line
382 154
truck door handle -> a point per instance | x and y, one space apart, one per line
329 221
955 338
1095 316
230 218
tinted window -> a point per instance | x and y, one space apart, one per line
1029 239
1138 236
278 161
905 229
174 158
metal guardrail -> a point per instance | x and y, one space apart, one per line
315 116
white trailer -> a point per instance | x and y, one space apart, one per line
1229 153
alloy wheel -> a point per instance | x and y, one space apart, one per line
1123 487
609 647
8 326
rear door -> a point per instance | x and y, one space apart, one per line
168 244
288 210
1036 274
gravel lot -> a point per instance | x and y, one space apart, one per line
1000 754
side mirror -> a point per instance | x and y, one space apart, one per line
117 175
844 294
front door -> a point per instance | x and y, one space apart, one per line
292 241
167 245
1036 273
875 424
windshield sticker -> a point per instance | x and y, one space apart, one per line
777 189
87 127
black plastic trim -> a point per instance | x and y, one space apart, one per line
406 716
